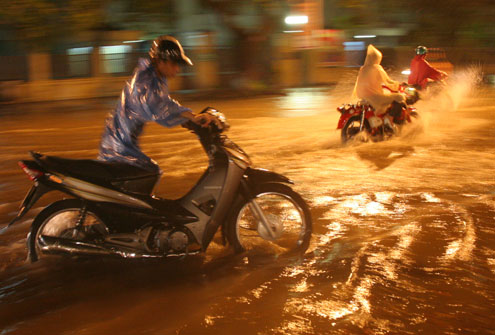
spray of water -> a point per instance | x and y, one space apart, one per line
438 106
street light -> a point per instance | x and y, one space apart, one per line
364 36
296 19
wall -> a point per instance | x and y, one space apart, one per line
291 71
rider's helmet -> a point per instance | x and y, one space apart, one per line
421 50
167 48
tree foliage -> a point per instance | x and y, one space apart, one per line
439 22
43 24
252 42
38 24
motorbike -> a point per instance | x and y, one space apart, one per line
360 119
433 89
112 210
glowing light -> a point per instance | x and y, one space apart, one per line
429 197
354 46
406 72
323 200
384 197
462 248
258 292
452 249
209 320
364 36
364 207
115 49
134 41
302 286
80 51
296 19
491 263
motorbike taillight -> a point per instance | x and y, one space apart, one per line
33 174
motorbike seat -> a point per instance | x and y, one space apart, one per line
123 176
95 168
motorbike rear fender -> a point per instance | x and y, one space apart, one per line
34 194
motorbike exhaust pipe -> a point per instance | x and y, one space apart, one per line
59 245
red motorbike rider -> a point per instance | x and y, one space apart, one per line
422 73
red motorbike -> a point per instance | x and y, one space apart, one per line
359 120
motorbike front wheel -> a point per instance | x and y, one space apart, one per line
287 227
67 219
352 128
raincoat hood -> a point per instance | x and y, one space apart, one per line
373 56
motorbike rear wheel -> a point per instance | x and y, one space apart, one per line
68 219
288 216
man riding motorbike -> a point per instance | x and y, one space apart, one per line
369 87
422 73
145 98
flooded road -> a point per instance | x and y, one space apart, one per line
403 243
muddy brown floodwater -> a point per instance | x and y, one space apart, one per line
403 243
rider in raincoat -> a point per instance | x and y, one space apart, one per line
369 83
145 98
421 71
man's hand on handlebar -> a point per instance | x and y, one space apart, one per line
202 119
205 119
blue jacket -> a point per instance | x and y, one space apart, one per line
144 98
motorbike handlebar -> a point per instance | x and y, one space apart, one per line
409 91
214 127
402 87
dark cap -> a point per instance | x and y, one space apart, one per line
168 48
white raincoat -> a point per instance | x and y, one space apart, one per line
369 83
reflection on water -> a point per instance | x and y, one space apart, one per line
402 244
